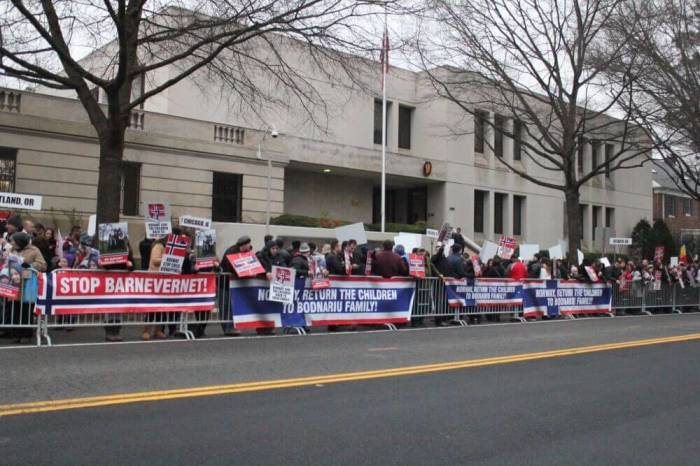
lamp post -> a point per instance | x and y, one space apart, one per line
274 133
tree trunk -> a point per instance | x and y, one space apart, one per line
573 221
109 181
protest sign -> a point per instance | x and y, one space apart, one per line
92 225
113 243
171 264
416 266
673 261
20 201
592 274
205 249
157 211
448 247
66 292
580 256
562 297
176 249
4 215
657 280
659 253
282 285
368 264
477 266
246 264
348 301
316 272
409 241
197 223
528 251
556 252
506 247
488 251
445 232
431 233
158 229
355 231
605 261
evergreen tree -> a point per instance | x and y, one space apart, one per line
662 237
643 240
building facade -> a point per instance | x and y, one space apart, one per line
198 150
678 210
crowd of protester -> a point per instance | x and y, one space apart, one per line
36 248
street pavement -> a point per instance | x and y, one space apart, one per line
627 406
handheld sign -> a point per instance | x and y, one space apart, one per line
113 243
282 284
431 233
197 223
528 251
659 253
555 252
175 251
157 229
416 266
20 201
506 247
591 274
205 242
355 231
445 232
246 264
488 250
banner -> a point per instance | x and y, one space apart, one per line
205 249
65 292
20 201
282 284
197 223
113 243
555 297
348 301
416 266
482 292
246 264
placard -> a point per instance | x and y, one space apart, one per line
156 230
205 249
92 225
171 264
488 251
176 248
197 223
246 264
556 252
282 285
113 243
408 241
355 231
674 262
591 274
20 201
445 232
580 256
528 251
605 261
431 233
506 247
157 211
659 253
416 266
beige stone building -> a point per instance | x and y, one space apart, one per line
194 147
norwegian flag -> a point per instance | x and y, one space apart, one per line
156 211
177 245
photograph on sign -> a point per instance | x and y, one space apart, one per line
113 243
156 230
355 231
205 249
528 251
488 251
20 201
187 221
556 252
156 211
445 232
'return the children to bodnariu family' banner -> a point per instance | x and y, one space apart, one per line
348 301
537 297
65 292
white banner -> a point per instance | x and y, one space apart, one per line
20 201
187 221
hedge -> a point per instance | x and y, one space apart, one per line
313 222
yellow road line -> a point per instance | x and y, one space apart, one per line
138 397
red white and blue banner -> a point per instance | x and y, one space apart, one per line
348 301
555 297
483 292
67 292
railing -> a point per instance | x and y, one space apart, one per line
137 119
10 101
229 134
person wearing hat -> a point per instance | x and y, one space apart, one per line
12 226
300 262
243 244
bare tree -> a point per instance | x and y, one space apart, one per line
533 60
241 42
661 40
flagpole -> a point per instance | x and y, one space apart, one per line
385 55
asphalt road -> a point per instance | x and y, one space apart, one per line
627 406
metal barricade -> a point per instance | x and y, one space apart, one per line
17 316
431 299
658 300
514 311
685 298
630 299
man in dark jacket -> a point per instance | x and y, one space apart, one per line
458 238
242 245
285 257
334 259
387 263
456 263
439 261
270 256
300 262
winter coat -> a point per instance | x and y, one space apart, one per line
388 264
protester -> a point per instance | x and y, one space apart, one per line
386 263
51 250
155 259
113 329
285 257
456 263
269 256
32 263
518 270
145 246
495 270
335 261
440 262
458 238
534 266
300 261
351 266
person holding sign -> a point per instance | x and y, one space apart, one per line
32 262
243 245
300 261
387 263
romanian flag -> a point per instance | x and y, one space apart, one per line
682 256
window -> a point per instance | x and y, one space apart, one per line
669 206
518 214
517 140
130 188
378 121
498 211
579 160
138 88
609 217
480 118
594 154
8 165
480 198
609 154
594 224
226 197
405 119
687 207
499 124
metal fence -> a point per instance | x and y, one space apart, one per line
430 301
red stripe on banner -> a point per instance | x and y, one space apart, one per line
363 278
255 324
586 311
131 310
359 321
513 302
